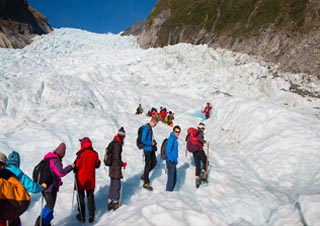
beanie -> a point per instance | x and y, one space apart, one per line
3 158
122 132
201 125
14 159
61 150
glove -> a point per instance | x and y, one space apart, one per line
125 164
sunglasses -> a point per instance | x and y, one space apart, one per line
177 131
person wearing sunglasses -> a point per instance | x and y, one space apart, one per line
172 158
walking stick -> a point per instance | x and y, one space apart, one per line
207 162
78 198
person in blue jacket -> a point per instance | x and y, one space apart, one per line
172 158
13 165
149 150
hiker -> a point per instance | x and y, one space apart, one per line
115 170
163 114
50 193
200 158
14 199
139 110
149 150
170 118
207 110
13 165
172 158
86 163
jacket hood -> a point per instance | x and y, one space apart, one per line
14 159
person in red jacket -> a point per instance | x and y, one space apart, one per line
86 163
207 110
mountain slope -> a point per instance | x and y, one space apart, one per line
285 32
19 23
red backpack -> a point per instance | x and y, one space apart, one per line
193 143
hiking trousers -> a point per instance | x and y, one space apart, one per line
150 162
90 202
200 160
114 189
172 175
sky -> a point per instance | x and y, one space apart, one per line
264 140
100 16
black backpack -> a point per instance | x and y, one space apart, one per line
42 172
139 138
163 149
108 154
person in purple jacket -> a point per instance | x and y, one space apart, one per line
50 193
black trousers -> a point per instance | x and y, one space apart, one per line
150 162
200 160
90 202
51 198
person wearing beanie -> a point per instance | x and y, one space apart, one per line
13 165
50 193
14 199
115 169
86 163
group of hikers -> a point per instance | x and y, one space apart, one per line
163 115
15 185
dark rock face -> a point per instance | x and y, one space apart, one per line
19 23
281 31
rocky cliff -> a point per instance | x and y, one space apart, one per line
19 23
281 31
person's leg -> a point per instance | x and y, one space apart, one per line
147 167
81 206
197 163
153 160
171 172
91 204
47 211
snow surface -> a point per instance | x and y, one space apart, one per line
264 140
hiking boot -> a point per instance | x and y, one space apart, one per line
147 186
115 205
79 218
109 206
91 219
203 176
198 181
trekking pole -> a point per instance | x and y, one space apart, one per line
78 198
207 162
73 197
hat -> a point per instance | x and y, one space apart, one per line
3 158
85 143
201 125
122 132
61 150
14 159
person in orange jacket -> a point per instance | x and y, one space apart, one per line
14 198
86 163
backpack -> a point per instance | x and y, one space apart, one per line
163 152
42 173
193 143
139 138
108 154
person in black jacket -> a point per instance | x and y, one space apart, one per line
115 171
